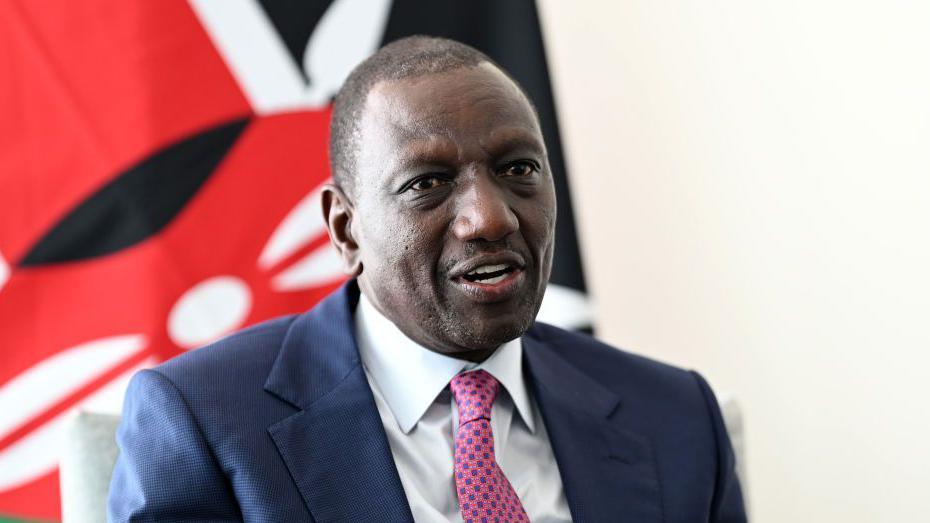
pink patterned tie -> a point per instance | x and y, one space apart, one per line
485 495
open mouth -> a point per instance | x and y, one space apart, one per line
489 274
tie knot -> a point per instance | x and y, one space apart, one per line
474 393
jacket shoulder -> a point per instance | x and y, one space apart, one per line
614 368
673 408
657 397
249 352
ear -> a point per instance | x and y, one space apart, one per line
338 212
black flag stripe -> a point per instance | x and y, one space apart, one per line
139 202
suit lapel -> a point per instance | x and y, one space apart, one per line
608 472
337 452
335 448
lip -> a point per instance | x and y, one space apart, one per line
495 292
508 258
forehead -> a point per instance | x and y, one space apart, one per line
460 103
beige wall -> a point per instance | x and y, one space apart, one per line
752 183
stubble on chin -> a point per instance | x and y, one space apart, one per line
467 336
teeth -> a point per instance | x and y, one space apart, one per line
484 269
496 279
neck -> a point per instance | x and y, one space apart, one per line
474 356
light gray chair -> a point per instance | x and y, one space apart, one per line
90 452
733 419
88 457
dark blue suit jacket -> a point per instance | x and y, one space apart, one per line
278 423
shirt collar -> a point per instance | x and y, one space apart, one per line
410 376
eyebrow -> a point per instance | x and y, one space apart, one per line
513 139
436 149
425 150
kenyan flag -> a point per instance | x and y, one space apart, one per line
159 173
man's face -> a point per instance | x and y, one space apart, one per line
454 209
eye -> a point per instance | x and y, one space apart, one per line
520 169
425 183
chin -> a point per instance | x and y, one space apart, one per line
490 334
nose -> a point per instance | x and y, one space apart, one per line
483 212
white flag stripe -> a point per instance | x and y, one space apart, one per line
39 452
333 51
109 398
4 271
255 54
208 310
49 381
322 266
32 456
348 32
303 223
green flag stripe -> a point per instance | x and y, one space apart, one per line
8 519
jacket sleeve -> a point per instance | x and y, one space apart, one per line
165 470
727 505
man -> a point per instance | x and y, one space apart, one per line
423 389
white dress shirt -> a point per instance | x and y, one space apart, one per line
410 386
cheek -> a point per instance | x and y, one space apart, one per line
549 211
403 246
421 248
549 219
539 223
